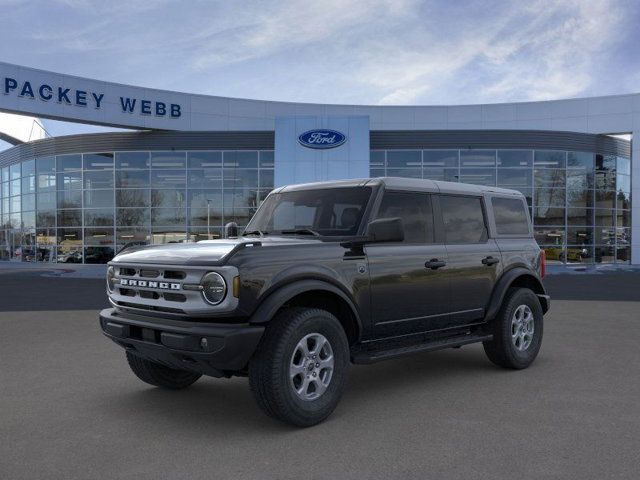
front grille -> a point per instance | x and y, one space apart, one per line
160 288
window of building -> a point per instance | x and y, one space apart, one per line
463 219
550 159
511 216
69 162
132 160
477 158
515 158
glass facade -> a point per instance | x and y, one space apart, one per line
82 208
580 202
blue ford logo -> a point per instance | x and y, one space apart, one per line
322 138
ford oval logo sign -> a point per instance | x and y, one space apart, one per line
322 138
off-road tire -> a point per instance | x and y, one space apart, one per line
269 376
501 349
159 375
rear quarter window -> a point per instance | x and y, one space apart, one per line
510 215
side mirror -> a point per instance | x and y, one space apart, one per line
231 230
385 230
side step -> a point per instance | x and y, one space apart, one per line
366 354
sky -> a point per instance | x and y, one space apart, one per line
380 52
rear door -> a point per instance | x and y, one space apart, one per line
474 259
408 295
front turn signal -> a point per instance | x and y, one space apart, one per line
236 287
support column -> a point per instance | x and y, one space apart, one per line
297 162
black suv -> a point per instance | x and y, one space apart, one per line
331 273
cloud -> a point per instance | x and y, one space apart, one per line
337 51
268 28
560 55
548 50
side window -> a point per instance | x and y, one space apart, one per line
415 211
290 215
463 219
511 216
346 217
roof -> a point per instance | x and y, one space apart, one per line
414 184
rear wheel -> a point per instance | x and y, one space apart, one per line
299 370
517 330
159 375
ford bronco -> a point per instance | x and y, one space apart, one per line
329 274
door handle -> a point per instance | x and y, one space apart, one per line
488 261
435 264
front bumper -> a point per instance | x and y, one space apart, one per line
213 349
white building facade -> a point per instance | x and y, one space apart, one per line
195 162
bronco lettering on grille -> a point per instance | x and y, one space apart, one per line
127 282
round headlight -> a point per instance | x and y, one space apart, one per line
111 273
214 288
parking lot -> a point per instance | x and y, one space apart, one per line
70 408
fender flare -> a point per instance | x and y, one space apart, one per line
280 295
503 284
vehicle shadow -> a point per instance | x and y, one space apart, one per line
229 406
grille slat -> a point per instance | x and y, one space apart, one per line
174 274
149 273
149 294
174 297
151 308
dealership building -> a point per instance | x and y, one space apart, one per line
192 163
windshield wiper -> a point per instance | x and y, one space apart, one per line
300 231
255 232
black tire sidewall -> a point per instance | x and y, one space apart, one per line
514 357
269 368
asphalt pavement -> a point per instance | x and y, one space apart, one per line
71 409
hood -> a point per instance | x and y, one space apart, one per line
207 252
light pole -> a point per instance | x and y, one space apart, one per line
208 219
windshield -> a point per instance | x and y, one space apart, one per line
326 212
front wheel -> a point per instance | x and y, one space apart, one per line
299 370
517 330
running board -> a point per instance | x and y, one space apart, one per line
364 354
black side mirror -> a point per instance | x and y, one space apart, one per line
385 230
231 230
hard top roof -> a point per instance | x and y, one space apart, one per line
399 183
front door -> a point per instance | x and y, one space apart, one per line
409 282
